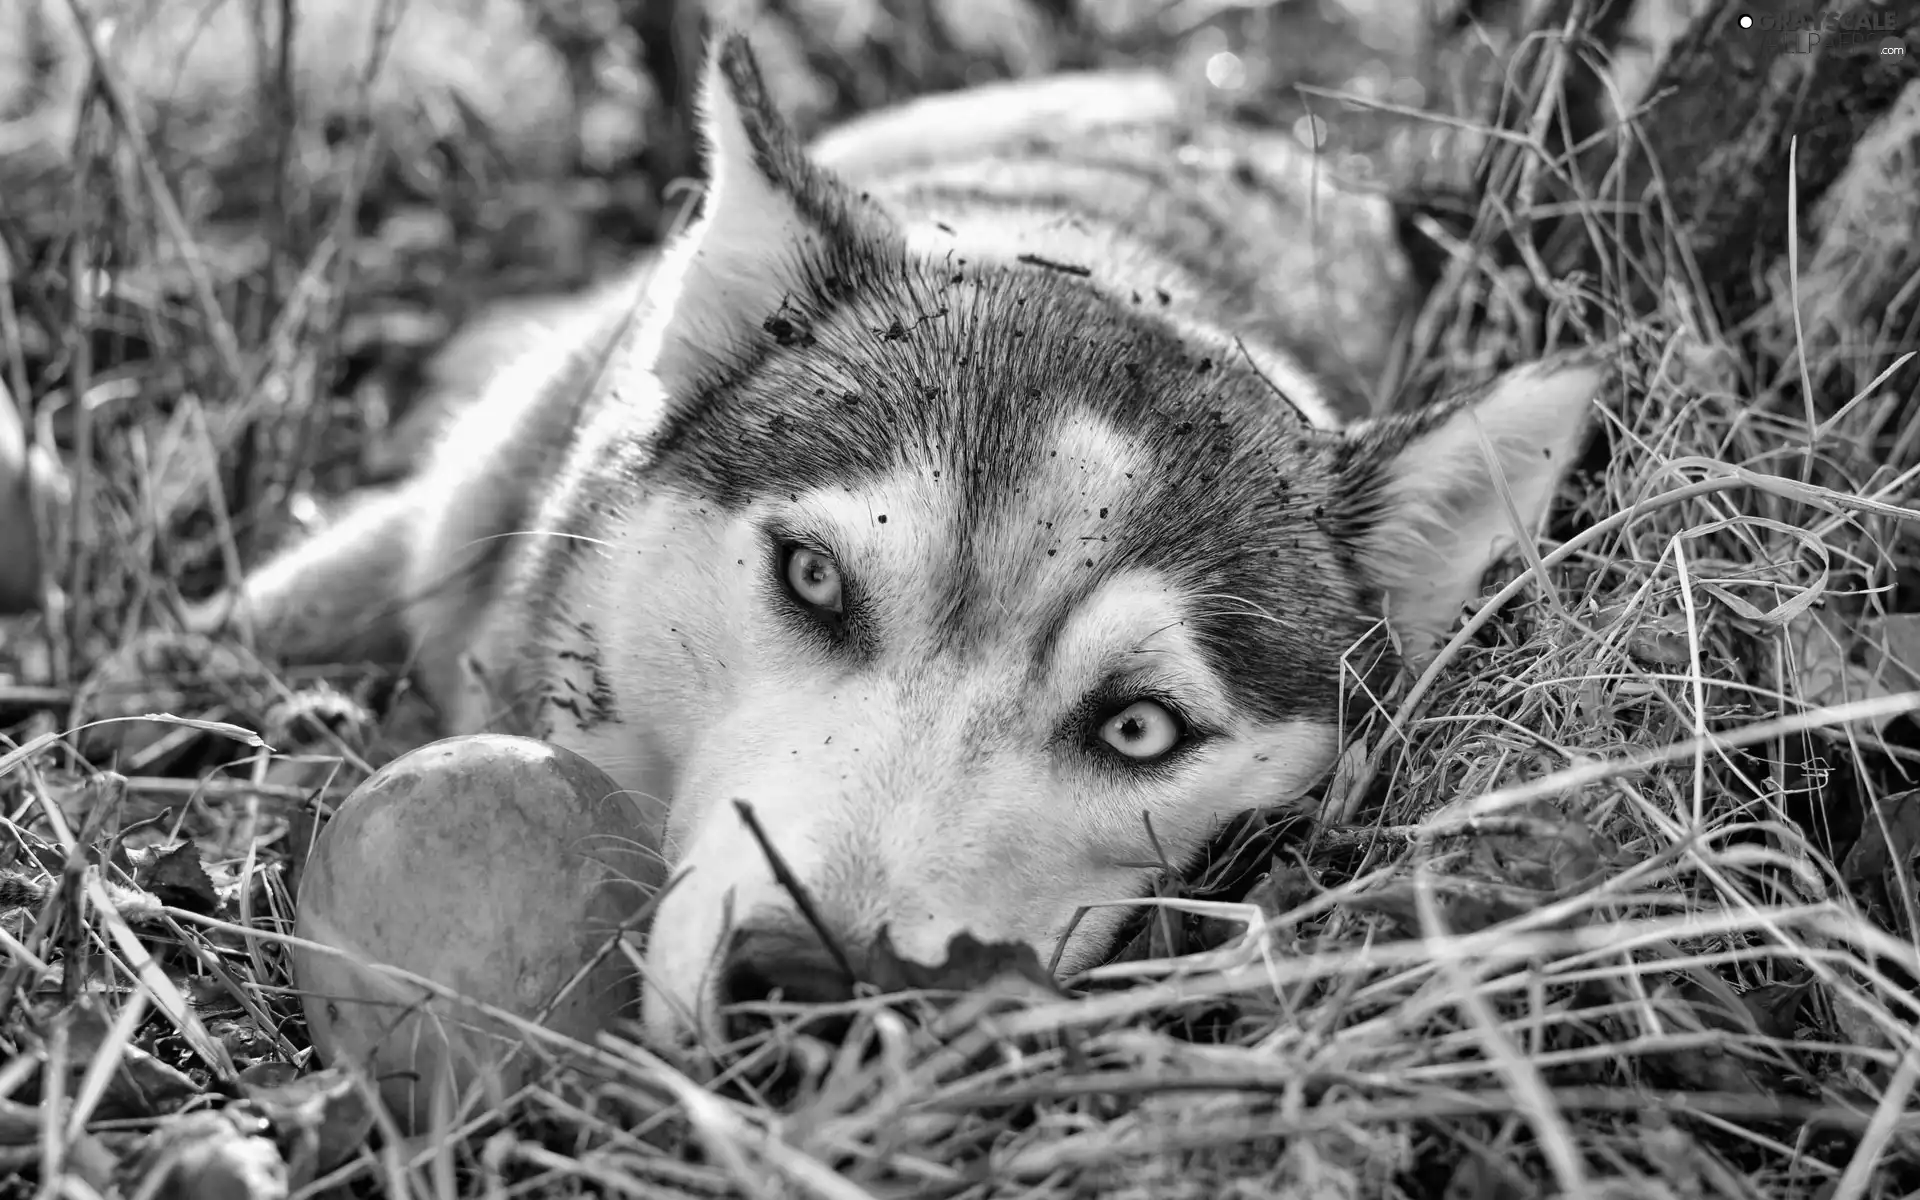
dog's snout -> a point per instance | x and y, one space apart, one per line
780 964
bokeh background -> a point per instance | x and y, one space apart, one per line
398 172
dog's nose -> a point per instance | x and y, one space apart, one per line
781 964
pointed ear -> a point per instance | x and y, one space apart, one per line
770 224
1425 511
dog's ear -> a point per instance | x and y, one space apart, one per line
1420 498
770 226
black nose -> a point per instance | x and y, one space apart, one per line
776 963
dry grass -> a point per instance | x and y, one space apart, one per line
1615 898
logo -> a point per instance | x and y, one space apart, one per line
1805 31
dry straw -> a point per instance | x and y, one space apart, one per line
1581 932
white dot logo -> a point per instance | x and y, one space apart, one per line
1746 22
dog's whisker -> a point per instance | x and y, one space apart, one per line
555 534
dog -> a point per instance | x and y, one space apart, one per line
989 493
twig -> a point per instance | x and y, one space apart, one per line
784 875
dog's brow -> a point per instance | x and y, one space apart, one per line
1046 643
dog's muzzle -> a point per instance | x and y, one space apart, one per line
768 962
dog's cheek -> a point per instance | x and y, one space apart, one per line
1172 816
674 603
1277 763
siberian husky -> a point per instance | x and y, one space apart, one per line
988 493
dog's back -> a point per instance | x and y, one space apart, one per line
1124 178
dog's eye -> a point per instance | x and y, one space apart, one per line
1143 731
814 580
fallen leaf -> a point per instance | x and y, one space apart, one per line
1709 1068
1825 646
1896 637
262 1076
1653 639
1775 1007
1702 1001
1308 1170
1540 848
242 1039
321 1120
1463 907
1479 1176
177 878
1674 1151
140 1086
90 1159
1284 888
1889 834
971 965
1662 644
213 1156
127 699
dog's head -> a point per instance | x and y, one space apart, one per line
988 591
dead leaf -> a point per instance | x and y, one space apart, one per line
1463 907
213 1156
1673 1150
1542 849
321 1119
1710 1002
141 1086
1775 1007
1284 888
1825 649
263 1076
1861 1032
178 879
130 694
971 965
1662 644
1347 788
92 1160
1889 834
242 1039
1654 639
1897 638
1699 1000
1710 1068
1308 1170
1480 1176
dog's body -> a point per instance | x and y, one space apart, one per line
979 513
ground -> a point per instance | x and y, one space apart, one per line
1616 898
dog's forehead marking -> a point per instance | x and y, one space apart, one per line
1041 548
1126 270
1135 622
958 410
1034 592
942 554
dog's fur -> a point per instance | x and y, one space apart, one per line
969 493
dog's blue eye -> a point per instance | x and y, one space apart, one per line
1143 731
814 580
